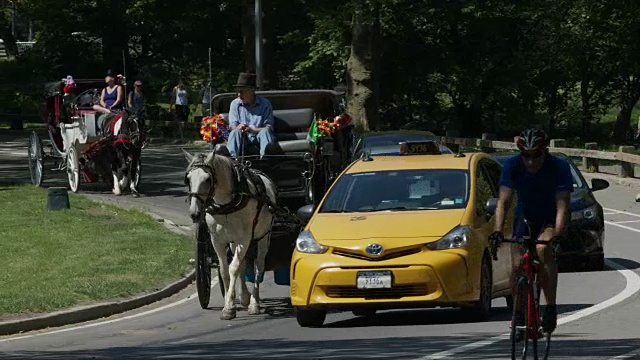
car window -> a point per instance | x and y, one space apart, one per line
494 170
398 190
577 181
485 189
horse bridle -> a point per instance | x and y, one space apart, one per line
190 194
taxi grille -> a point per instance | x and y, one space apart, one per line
393 293
387 256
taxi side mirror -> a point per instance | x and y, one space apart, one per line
492 205
306 212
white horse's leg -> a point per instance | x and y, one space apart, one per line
116 184
124 182
263 248
245 296
229 311
221 252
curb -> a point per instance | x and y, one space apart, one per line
100 310
87 313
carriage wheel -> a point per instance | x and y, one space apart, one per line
204 258
36 162
73 169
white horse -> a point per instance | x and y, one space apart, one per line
241 202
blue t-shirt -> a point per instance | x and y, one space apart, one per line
536 193
258 115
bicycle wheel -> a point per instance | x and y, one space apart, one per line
519 334
547 336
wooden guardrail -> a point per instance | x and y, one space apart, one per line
625 155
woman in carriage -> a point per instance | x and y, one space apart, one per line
112 96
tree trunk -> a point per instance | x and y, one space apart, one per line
269 60
115 36
623 120
553 108
249 35
10 45
585 115
363 78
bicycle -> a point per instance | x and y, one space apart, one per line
526 285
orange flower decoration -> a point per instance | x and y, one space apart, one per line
328 128
213 128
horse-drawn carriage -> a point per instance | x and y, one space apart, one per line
88 145
309 154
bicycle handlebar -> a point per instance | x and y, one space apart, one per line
526 241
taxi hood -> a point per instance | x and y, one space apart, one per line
386 224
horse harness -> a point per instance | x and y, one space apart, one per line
244 177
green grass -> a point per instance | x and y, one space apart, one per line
93 251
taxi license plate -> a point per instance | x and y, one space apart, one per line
373 279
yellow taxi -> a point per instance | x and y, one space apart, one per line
406 231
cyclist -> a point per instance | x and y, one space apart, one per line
543 184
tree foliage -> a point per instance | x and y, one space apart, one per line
468 65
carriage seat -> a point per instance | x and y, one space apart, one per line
291 128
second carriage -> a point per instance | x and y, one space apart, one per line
81 140
314 140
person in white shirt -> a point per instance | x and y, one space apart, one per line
179 99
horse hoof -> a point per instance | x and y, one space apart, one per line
136 195
254 310
228 315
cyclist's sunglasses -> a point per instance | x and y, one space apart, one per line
532 155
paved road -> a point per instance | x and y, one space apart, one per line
600 309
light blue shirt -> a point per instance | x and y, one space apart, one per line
258 115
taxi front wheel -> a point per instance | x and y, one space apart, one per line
481 309
310 317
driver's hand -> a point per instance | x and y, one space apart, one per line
494 243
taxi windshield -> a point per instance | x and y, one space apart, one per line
400 190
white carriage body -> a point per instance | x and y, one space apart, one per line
84 130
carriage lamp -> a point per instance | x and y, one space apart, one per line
57 199
307 157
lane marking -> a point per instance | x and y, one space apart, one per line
629 355
214 282
625 222
621 212
622 226
632 286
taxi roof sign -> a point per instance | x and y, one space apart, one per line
428 147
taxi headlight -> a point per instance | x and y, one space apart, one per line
587 213
306 243
456 238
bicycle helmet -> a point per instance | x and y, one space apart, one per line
532 140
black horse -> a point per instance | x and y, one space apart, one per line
116 156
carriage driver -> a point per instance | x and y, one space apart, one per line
250 116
